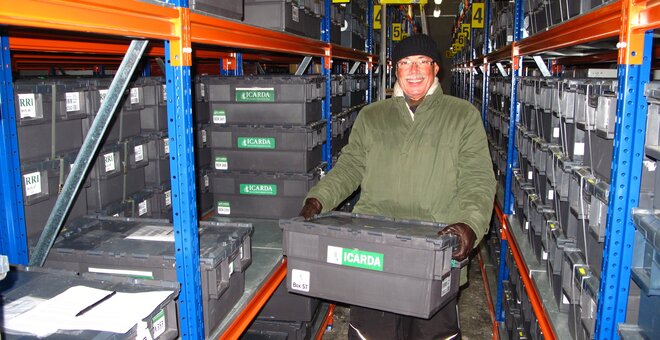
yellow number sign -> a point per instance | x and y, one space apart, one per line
377 9
397 33
478 15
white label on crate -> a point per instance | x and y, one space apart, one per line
649 165
142 208
334 255
551 195
206 181
27 105
526 225
164 91
555 132
135 95
72 101
219 117
231 268
139 153
115 215
446 286
153 233
544 255
142 330
166 145
300 280
168 198
32 183
221 163
241 252
579 149
109 161
102 95
202 90
224 208
294 13
158 324
204 136
530 175
138 274
564 299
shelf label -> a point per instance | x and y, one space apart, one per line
27 105
158 324
255 95
377 9
355 258
300 280
256 143
465 28
478 15
397 32
72 101
220 164
258 189
219 117
32 183
224 208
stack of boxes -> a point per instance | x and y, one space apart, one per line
542 14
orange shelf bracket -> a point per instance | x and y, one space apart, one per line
181 48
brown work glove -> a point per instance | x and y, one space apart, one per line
312 207
466 238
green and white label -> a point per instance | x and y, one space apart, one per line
109 161
256 143
221 163
255 95
32 182
258 189
72 101
27 105
224 208
300 280
158 324
219 117
355 258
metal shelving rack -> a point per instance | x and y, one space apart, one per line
633 22
178 28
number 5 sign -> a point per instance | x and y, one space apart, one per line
397 33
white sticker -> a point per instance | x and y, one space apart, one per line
27 105
224 208
159 233
168 198
649 165
109 159
142 330
115 215
231 268
555 132
140 274
219 117
564 299
164 92
334 255
530 175
135 95
206 181
32 182
142 208
544 255
221 163
202 90
294 13
579 149
446 286
72 101
139 153
526 225
204 136
551 195
241 252
158 324
300 280
166 145
102 95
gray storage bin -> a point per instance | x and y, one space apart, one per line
278 15
393 265
598 155
579 196
261 195
162 202
43 283
646 259
285 306
606 114
589 305
574 269
141 204
232 9
144 248
285 330
157 172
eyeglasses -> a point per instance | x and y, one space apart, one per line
421 63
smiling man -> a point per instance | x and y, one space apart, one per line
419 155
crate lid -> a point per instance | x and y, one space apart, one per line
648 223
394 231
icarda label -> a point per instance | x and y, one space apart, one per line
355 258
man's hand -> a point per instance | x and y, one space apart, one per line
466 238
312 207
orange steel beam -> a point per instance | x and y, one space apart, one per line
649 16
537 304
491 309
603 22
342 52
326 322
243 320
504 53
117 17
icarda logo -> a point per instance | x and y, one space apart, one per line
256 143
255 95
258 189
355 258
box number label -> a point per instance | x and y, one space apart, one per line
109 161
32 183
27 105
158 324
224 208
72 101
300 280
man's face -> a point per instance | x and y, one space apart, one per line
416 75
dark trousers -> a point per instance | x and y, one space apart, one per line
373 324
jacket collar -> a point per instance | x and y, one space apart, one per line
398 92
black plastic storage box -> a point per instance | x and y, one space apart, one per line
279 15
25 284
264 100
261 195
285 306
144 248
232 9
399 266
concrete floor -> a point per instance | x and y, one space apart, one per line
473 306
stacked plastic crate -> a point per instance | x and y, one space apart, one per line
265 140
541 14
354 28
301 17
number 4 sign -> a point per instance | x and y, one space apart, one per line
478 15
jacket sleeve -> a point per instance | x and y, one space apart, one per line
346 175
476 180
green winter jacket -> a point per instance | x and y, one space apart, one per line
435 168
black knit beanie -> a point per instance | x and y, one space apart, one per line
419 44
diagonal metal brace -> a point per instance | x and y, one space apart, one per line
89 148
303 66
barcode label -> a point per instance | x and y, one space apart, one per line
135 95
142 208
204 136
139 153
168 198
109 161
446 286
102 95
72 101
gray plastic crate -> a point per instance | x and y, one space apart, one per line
232 9
598 155
258 148
279 15
399 266
285 330
261 195
606 114
162 202
157 172
646 258
285 306
139 248
141 204
574 269
600 192
44 283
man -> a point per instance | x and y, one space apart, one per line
419 155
